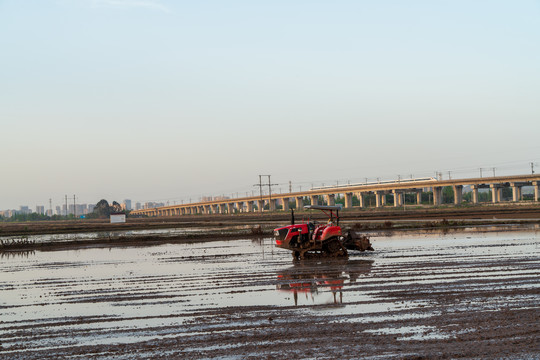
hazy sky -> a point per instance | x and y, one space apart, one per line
157 100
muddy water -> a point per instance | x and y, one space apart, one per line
418 294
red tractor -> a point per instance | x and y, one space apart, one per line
322 240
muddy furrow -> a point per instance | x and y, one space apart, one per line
468 296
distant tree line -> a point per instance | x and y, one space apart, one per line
102 210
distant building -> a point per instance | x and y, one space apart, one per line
49 212
58 210
219 198
127 204
91 208
40 209
138 206
151 205
24 210
82 209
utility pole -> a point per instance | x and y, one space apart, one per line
260 185
269 191
493 171
480 172
290 186
449 175
532 168
260 191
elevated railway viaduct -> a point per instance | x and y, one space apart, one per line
380 190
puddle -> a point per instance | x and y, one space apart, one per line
103 296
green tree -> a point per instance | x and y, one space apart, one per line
102 209
115 207
447 195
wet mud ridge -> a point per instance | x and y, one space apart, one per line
464 296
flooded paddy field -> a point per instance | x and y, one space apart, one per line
418 295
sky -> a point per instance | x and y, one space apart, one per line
155 100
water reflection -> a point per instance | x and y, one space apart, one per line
315 278
13 254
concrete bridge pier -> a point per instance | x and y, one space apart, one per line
299 203
458 194
398 198
272 204
516 191
495 194
360 197
249 206
380 198
536 185
230 208
240 206
222 208
437 195
285 202
348 200
314 200
419 197
474 189
260 205
330 199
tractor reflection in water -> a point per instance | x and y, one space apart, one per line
316 278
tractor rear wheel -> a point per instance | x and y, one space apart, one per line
334 248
